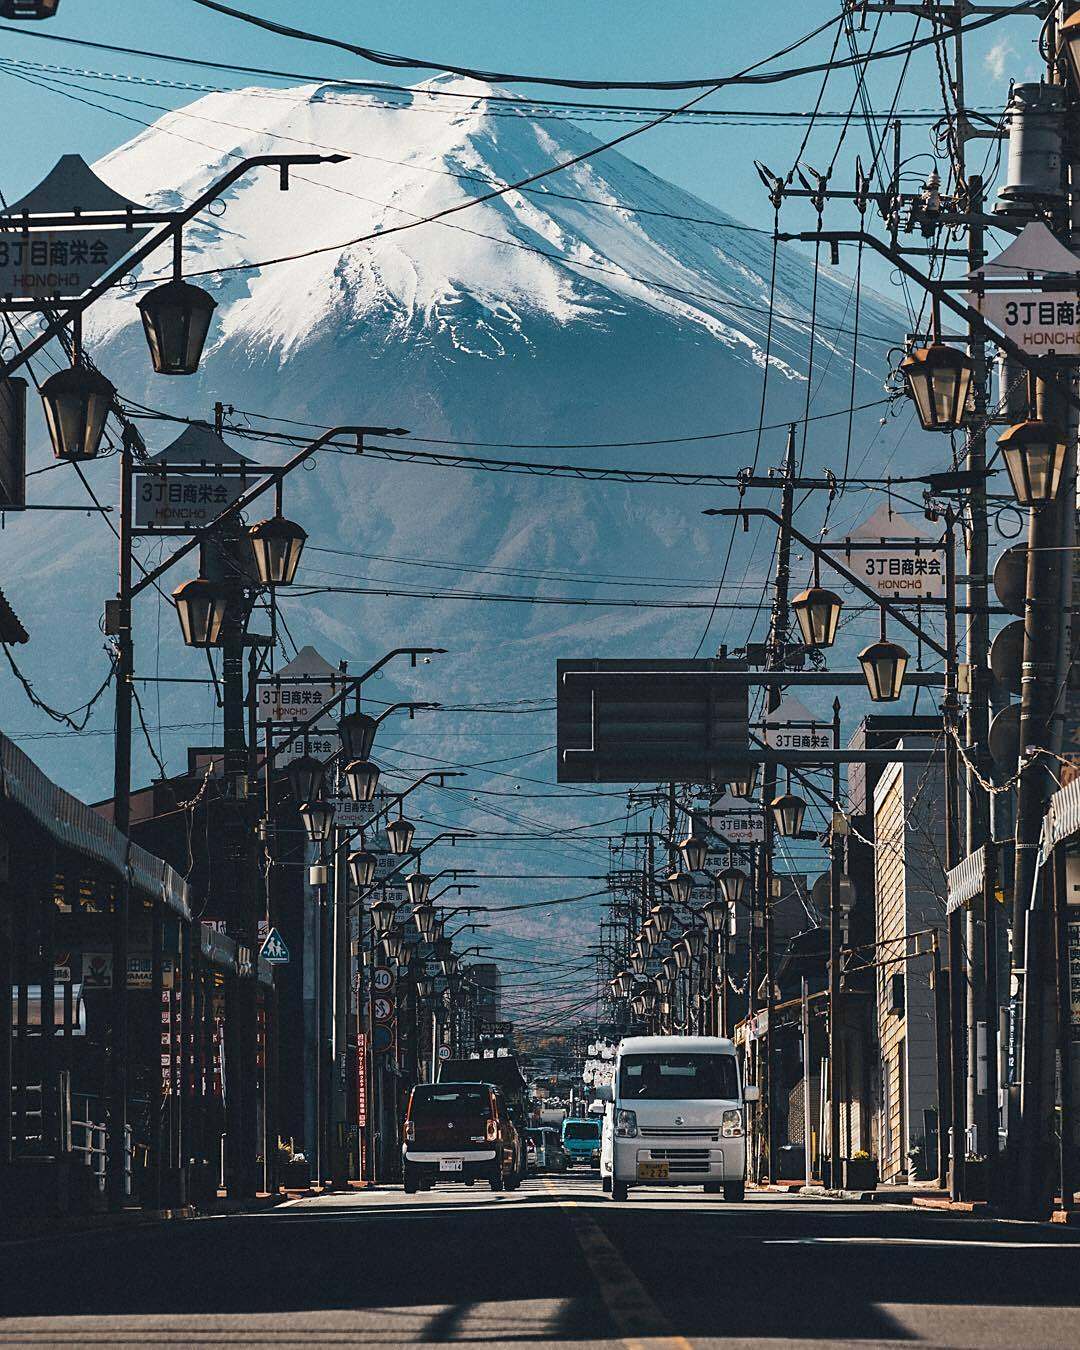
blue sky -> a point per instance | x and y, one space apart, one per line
628 39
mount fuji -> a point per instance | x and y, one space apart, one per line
563 324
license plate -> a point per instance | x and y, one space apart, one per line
652 1171
450 1164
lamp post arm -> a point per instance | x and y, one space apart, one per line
177 220
411 857
941 293
823 555
399 797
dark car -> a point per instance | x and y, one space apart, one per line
459 1132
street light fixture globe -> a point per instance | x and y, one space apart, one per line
623 983
818 613
357 733
884 664
1034 454
305 778
176 319
277 544
383 913
637 962
424 918
732 882
201 606
318 820
695 940
76 402
660 917
695 852
938 379
670 965
399 835
362 868
714 912
788 811
361 778
393 944
419 886
681 886
744 786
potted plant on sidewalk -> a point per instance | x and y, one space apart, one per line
859 1172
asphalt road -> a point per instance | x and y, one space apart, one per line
555 1263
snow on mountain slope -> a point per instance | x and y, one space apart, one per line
601 305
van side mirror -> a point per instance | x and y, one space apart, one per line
751 1093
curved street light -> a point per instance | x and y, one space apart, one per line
277 544
361 778
788 811
357 733
76 401
362 867
176 319
399 835
201 606
883 664
1034 454
318 820
695 852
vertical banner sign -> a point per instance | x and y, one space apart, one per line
1074 979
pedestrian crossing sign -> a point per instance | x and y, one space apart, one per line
274 949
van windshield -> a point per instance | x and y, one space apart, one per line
440 1103
673 1076
581 1130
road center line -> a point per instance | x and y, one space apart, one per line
639 1321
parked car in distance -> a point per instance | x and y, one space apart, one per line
581 1139
459 1132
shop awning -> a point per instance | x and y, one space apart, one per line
78 829
966 880
1062 819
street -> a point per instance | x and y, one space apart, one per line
554 1263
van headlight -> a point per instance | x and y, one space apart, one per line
626 1124
731 1127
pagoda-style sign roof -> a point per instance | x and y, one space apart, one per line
199 443
71 185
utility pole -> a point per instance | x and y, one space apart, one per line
776 658
836 869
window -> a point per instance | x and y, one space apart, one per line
675 1077
442 1103
582 1130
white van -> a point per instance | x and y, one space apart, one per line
676 1118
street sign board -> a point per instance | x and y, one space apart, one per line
59 264
444 1052
184 502
382 978
43 261
649 720
792 726
274 949
382 1038
894 556
1046 323
383 1009
299 689
357 814
737 820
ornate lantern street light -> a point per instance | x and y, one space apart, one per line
383 913
362 865
695 941
201 606
277 544
660 917
714 912
318 820
176 319
682 954
788 811
670 965
818 612
623 983
425 920
938 379
418 885
744 787
732 882
425 987
399 835
393 943
681 886
357 733
1034 454
76 401
361 778
637 962
695 852
884 663
305 778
